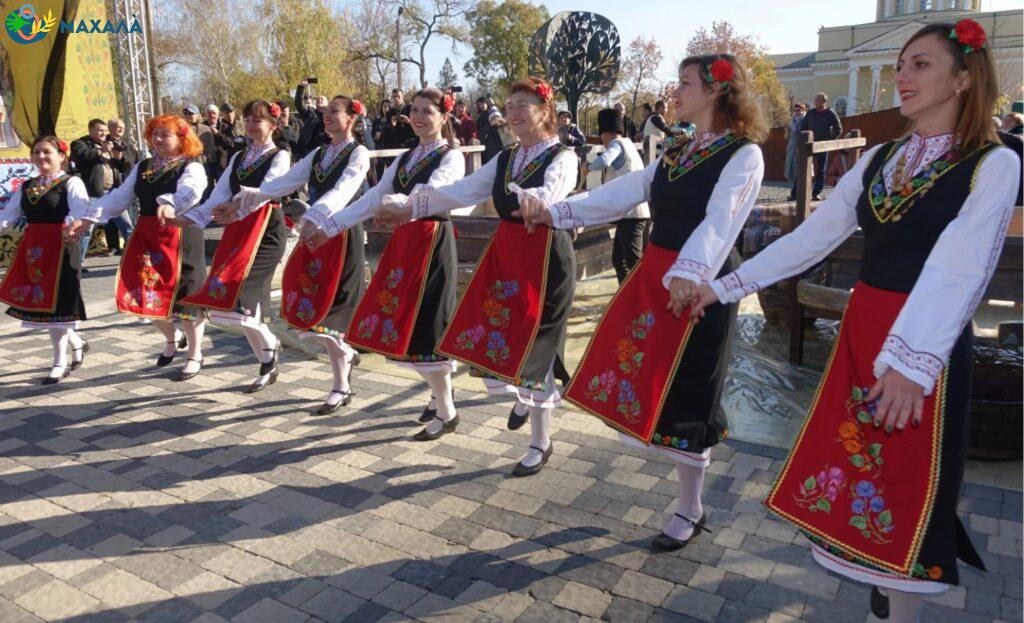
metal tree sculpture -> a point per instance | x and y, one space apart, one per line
577 52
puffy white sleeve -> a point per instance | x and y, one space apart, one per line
291 180
831 223
78 199
708 246
11 212
202 214
606 203
189 190
335 199
366 206
279 166
451 169
460 193
954 277
115 202
559 177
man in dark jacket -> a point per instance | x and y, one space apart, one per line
290 128
90 160
311 129
229 133
825 124
123 156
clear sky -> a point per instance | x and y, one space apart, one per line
782 25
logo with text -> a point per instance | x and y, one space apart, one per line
25 26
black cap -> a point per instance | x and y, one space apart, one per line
608 120
565 113
225 107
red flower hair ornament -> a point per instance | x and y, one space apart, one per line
275 110
447 103
544 91
720 71
357 108
62 147
969 34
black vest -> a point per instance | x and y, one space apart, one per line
255 176
505 201
148 190
52 207
421 177
317 187
895 251
678 206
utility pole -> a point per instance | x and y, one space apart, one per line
398 47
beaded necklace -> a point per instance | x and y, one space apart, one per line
41 185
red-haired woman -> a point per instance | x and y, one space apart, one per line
237 292
411 298
323 279
42 283
162 262
876 498
511 322
647 372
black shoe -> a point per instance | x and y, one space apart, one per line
428 413
259 383
879 603
667 543
522 470
516 421
327 409
184 376
77 364
53 380
449 427
163 359
84 271
265 368
118 252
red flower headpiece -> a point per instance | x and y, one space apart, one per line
447 103
62 147
357 108
969 34
543 91
719 71
275 110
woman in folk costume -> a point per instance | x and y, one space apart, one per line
42 283
411 298
323 279
876 498
510 324
162 262
647 372
237 291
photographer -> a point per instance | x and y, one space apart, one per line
90 157
311 130
123 157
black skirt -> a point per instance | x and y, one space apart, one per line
351 285
439 298
549 346
256 287
193 271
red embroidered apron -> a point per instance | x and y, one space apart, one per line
231 262
386 315
310 282
848 483
631 360
498 316
31 280
147 277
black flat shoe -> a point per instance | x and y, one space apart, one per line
184 376
449 427
879 603
163 359
667 543
265 368
516 421
259 384
77 364
522 470
327 409
428 413
53 380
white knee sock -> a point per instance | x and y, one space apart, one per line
904 607
441 384
171 336
520 408
59 339
194 332
691 483
540 435
267 342
340 355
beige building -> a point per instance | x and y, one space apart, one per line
856 65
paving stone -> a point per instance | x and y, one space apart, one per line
270 611
332 605
694 603
643 588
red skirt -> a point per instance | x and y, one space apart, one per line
852 488
231 262
310 282
386 316
630 362
497 319
147 277
31 280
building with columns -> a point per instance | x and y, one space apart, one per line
856 65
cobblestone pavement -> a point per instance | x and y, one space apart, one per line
126 496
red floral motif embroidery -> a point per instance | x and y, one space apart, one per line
498 317
630 357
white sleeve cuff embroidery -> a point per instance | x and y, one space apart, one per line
686 269
731 288
322 222
421 201
562 216
920 367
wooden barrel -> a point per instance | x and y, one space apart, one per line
997 423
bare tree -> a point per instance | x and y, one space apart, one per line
639 69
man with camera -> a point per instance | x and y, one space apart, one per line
311 130
123 157
90 160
